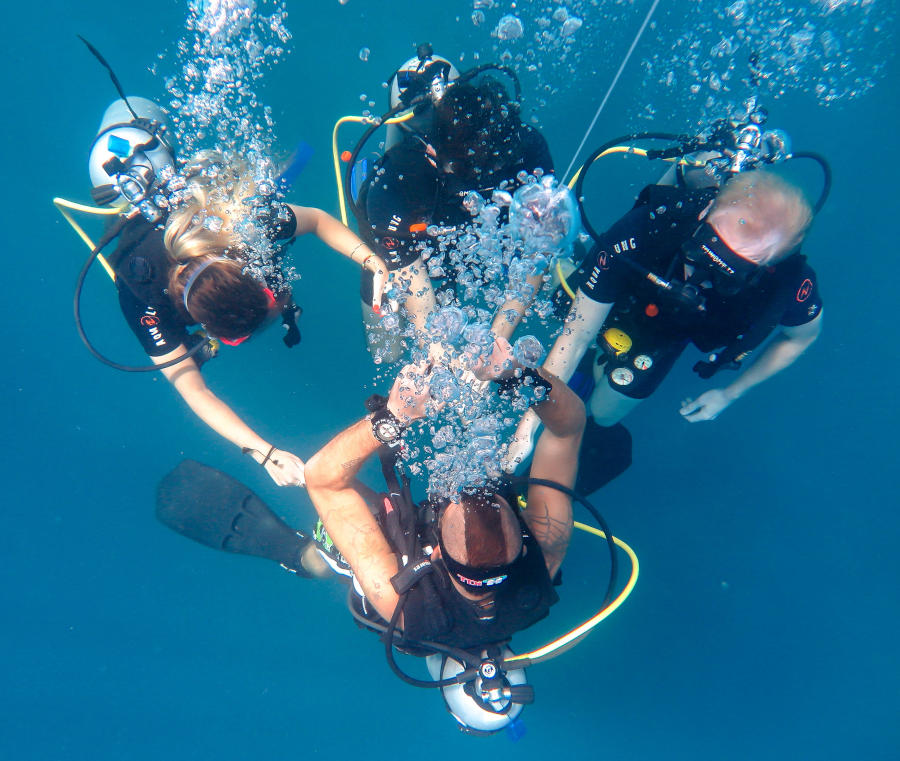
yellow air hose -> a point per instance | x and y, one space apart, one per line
573 637
637 152
64 208
615 149
367 120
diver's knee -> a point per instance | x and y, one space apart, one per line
608 406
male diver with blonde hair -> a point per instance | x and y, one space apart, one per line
721 269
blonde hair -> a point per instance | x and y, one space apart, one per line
761 216
204 225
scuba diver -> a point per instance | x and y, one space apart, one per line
449 580
465 134
710 256
489 571
198 242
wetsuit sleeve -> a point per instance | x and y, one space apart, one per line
536 151
159 329
284 223
806 302
601 277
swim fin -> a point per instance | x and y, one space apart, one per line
605 455
211 507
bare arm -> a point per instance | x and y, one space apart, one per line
284 468
420 302
343 240
332 486
340 499
549 513
585 318
781 352
510 314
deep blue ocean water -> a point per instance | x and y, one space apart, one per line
765 621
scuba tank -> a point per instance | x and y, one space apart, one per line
129 154
492 700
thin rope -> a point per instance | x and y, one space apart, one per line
612 86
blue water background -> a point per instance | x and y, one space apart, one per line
765 621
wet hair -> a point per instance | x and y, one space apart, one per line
762 213
204 224
481 530
228 302
224 298
477 128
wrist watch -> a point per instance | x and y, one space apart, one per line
386 427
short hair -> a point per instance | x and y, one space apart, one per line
481 530
477 127
763 214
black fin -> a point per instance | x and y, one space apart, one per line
211 507
605 455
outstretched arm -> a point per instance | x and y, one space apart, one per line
782 351
285 469
343 240
513 310
420 300
584 320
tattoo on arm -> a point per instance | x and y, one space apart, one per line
351 464
551 533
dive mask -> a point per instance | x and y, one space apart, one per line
728 271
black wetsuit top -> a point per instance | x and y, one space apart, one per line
142 264
405 189
652 233
436 611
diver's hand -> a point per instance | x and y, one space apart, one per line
708 406
285 469
522 443
410 393
500 364
379 269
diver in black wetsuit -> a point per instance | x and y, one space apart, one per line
733 275
468 137
492 566
179 260
450 580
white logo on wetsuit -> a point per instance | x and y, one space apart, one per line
625 245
